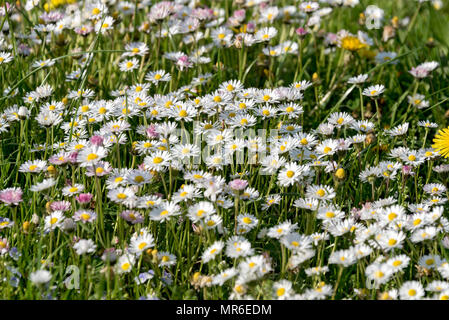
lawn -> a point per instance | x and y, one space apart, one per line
218 150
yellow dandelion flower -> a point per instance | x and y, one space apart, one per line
352 43
441 142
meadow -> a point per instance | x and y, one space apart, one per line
246 149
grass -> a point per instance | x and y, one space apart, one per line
31 243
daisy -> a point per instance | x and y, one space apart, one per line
282 290
320 192
125 263
158 76
212 251
237 246
314 271
342 257
165 211
224 276
129 65
308 204
40 277
379 273
374 91
418 101
292 173
296 242
166 259
45 184
72 190
281 230
329 213
158 161
399 262
437 286
222 36
84 246
426 233
435 189
5 57
121 195
141 243
186 192
136 49
200 211
411 290
35 166
399 130
327 148
390 239
247 220
383 57
265 34
424 69
132 216
53 220
271 200
309 6
43 63
91 155
340 119
138 177
104 25
361 78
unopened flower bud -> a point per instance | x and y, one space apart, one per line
35 219
340 173
68 225
23 113
26 226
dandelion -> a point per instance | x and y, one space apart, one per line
441 142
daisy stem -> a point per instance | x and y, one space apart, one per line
425 138
340 271
236 212
412 21
100 206
284 260
361 104
377 113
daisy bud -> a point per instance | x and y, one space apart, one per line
109 255
301 32
205 281
68 225
96 140
250 27
238 184
65 100
340 173
23 113
26 226
84 198
48 206
196 276
35 219
445 242
154 254
395 22
362 18
315 77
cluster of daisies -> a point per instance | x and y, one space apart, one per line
166 175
